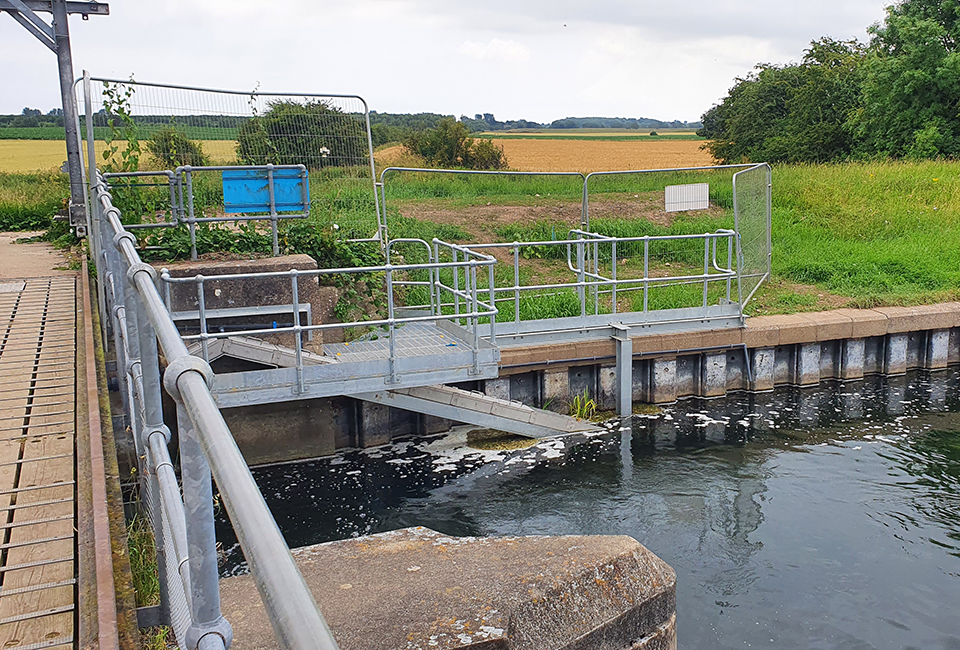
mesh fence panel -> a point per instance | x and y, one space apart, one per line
142 126
752 211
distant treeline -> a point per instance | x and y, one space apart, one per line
384 127
896 96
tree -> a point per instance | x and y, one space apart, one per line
450 145
911 90
790 113
174 149
313 133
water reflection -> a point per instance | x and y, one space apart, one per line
825 518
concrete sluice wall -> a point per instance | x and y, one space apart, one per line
795 350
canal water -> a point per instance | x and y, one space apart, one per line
825 518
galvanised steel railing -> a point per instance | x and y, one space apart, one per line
184 525
475 307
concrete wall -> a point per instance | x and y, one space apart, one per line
800 349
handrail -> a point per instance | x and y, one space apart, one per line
290 606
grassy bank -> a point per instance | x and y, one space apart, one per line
856 234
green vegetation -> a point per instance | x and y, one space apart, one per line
29 201
450 145
893 97
173 148
313 133
583 407
143 561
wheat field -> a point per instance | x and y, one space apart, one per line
44 155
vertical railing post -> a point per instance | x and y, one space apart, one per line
646 272
581 285
191 214
730 240
202 313
391 326
706 268
516 285
150 394
201 540
493 306
295 293
613 257
273 210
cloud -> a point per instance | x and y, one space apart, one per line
496 49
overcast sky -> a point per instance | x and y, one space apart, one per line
533 59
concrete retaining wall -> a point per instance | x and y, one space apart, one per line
798 349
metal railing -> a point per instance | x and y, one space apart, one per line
476 308
182 519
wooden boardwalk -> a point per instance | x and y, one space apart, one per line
37 463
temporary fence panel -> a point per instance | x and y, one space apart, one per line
752 208
136 126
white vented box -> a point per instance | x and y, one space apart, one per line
678 198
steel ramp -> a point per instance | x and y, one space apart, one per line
471 407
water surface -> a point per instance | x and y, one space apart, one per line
826 518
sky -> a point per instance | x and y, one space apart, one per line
538 60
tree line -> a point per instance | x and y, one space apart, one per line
895 96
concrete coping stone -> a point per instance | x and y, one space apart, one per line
300 262
419 589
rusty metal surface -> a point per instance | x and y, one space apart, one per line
103 552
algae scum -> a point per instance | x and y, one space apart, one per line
826 518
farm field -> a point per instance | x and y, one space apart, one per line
565 155
44 155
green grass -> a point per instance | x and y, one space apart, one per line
29 201
881 233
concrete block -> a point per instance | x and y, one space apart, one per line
864 322
681 341
373 424
916 349
784 364
761 332
831 325
641 380
794 328
762 362
895 354
688 375
556 389
953 347
607 380
938 349
526 387
852 359
873 349
721 338
808 365
663 380
285 431
582 379
923 317
713 376
499 388
830 359
736 370
418 589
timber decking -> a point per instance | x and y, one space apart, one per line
37 463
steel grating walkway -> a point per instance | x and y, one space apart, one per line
413 340
37 463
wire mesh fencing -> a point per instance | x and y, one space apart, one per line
752 194
132 126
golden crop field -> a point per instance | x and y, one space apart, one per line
44 155
533 155
599 155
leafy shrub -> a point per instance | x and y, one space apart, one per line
313 133
174 149
450 145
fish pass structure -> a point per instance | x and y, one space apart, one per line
448 308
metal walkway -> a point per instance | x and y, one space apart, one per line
37 462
